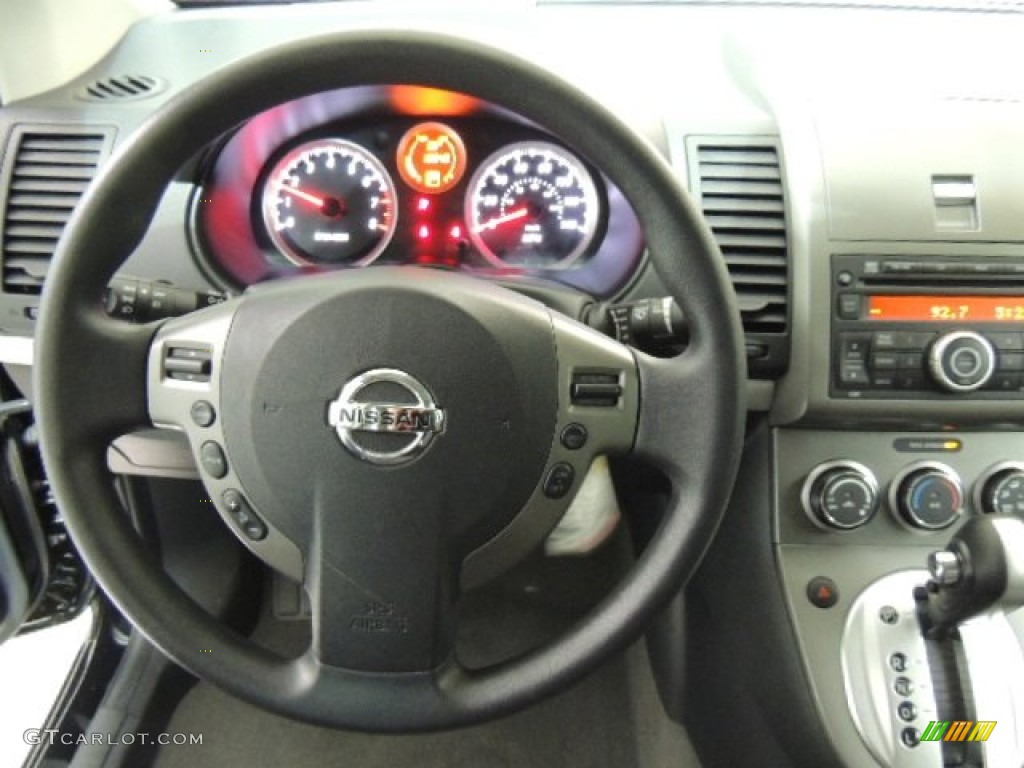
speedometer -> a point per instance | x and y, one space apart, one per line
532 204
329 202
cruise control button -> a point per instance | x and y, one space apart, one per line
212 457
898 662
910 737
903 686
574 436
202 413
559 480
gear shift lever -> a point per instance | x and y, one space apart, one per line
981 569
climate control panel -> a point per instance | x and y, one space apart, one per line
868 487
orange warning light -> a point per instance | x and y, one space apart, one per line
431 158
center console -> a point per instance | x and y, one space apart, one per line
898 428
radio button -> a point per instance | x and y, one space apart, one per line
962 361
902 339
853 373
1004 382
885 360
885 380
1004 340
912 360
915 339
884 340
848 306
914 381
854 348
1012 361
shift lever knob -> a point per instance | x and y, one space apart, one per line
982 569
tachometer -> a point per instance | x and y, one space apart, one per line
329 202
532 204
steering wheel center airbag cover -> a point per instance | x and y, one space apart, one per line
416 416
424 351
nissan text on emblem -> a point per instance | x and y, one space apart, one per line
420 419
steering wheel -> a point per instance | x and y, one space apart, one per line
386 435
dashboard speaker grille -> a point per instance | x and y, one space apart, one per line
740 184
45 171
120 88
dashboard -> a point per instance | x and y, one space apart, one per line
407 175
860 169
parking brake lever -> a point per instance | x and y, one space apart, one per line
982 569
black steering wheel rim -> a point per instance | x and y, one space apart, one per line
690 424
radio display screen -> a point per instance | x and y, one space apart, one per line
940 309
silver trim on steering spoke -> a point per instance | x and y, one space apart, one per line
171 403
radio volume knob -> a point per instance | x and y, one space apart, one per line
962 361
841 495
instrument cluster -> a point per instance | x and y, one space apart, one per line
482 192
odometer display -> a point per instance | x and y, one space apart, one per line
532 204
939 309
329 202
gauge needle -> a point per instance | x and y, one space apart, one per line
494 223
318 202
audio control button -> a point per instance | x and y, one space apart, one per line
1011 361
1002 340
854 347
885 360
848 306
962 361
1004 382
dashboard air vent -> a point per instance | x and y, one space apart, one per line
740 185
45 171
120 88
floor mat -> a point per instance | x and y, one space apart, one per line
593 725
590 726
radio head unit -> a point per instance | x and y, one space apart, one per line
927 328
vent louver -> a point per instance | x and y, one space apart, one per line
45 172
742 195
120 88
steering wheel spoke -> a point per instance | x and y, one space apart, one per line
383 588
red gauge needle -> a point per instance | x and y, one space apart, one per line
313 199
496 222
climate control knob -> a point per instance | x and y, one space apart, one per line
927 496
1000 491
840 495
962 361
